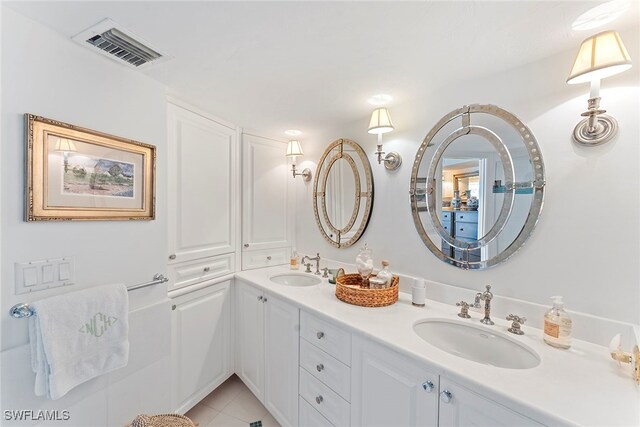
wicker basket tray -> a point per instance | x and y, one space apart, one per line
347 291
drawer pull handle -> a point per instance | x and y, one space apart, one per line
172 256
269 258
428 386
319 367
446 396
319 399
260 298
264 299
173 307
320 335
207 269
246 245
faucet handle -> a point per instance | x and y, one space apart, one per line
325 272
517 321
308 265
464 309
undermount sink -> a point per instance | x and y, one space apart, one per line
295 280
476 343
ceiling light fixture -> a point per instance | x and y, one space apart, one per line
601 15
381 123
380 99
600 56
293 132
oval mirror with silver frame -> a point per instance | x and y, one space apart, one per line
343 193
477 186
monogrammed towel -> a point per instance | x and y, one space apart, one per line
78 336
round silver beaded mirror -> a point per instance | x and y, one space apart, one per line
477 186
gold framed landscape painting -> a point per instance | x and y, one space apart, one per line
75 173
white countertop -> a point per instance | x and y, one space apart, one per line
578 386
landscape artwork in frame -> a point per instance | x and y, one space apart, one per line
80 174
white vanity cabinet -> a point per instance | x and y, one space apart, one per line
267 338
266 210
390 389
461 407
201 343
203 196
325 373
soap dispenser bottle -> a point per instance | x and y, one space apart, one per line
557 325
293 264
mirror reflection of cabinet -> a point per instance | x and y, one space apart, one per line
343 193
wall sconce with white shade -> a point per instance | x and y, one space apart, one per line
65 146
294 149
600 56
381 123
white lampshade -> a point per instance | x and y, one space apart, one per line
294 149
380 121
64 144
600 56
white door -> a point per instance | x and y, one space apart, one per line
282 336
250 337
266 217
388 389
202 186
460 407
201 343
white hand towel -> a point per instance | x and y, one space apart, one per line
78 336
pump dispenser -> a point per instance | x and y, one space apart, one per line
557 325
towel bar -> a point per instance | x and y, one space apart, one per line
24 310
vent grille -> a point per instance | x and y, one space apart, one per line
123 47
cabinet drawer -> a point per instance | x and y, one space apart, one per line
469 216
326 336
446 216
324 400
265 258
447 227
474 255
192 272
309 417
326 368
467 230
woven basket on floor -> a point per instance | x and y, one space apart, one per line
348 290
162 420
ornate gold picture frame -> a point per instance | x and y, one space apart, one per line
73 173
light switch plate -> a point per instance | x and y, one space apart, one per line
32 276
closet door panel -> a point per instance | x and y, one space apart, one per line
202 189
266 219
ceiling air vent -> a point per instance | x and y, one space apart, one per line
119 44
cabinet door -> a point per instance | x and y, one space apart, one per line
250 337
281 338
466 408
202 186
266 218
388 389
201 342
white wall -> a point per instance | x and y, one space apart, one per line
586 246
46 74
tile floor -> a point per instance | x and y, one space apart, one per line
231 405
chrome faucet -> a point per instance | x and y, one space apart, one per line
316 259
485 296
